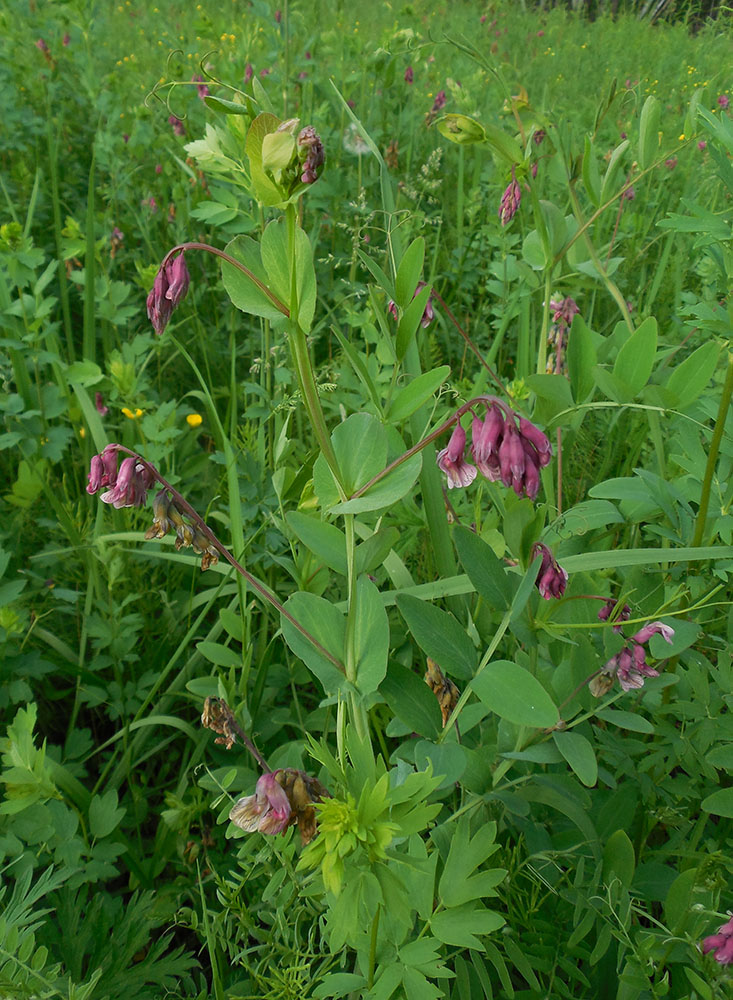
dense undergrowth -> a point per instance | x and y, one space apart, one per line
520 239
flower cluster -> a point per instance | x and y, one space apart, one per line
201 87
721 944
551 577
169 289
629 665
177 125
504 447
310 154
127 486
167 517
281 798
562 311
608 611
510 201
428 313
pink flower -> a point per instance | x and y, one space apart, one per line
633 668
510 201
169 289
723 102
268 810
177 125
629 194
551 577
202 88
40 44
158 168
485 437
133 482
702 145
654 628
264 73
66 39
608 609
563 310
103 469
721 944
512 458
451 461
428 313
671 163
439 102
102 410
248 72
408 75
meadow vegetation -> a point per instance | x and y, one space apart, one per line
367 457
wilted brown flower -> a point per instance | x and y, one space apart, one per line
443 688
218 716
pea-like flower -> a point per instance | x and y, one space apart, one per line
311 154
551 577
654 628
452 462
281 798
608 610
169 289
510 201
721 944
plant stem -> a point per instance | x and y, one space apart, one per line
373 948
469 342
718 431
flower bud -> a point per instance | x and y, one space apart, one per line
451 460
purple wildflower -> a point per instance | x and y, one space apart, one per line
428 313
66 39
654 628
133 482
563 310
41 44
169 289
203 90
102 410
723 101
439 102
539 137
510 201
485 437
248 72
408 75
702 145
551 577
268 810
451 461
609 608
177 125
512 459
671 163
629 194
311 153
721 944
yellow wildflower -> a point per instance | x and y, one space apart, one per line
130 415
194 419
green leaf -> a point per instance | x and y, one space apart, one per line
447 760
459 926
374 550
411 700
222 656
418 391
371 637
614 165
581 358
514 694
104 815
619 859
504 146
485 571
649 131
84 373
338 984
224 106
387 491
243 292
277 151
410 321
328 626
720 803
689 379
591 176
384 282
408 273
439 635
460 881
324 540
636 359
360 443
275 260
626 720
266 191
526 588
579 754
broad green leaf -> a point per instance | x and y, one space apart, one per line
374 550
328 626
720 803
411 700
224 106
689 379
459 926
243 292
485 571
277 152
626 720
680 898
384 282
265 189
525 588
275 260
636 359
619 859
409 322
232 622
387 491
614 165
649 131
439 635
408 272
503 145
338 984
579 754
84 373
581 358
417 392
533 251
704 990
514 694
324 540
358 362
104 815
447 760
221 655
371 637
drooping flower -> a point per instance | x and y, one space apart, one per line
721 944
539 137
169 289
702 145
654 628
608 610
201 88
102 410
632 668
723 102
512 458
510 201
131 489
408 75
248 72
268 810
66 39
551 577
485 437
563 310
428 313
671 163
177 125
451 461
311 154
440 101
103 469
